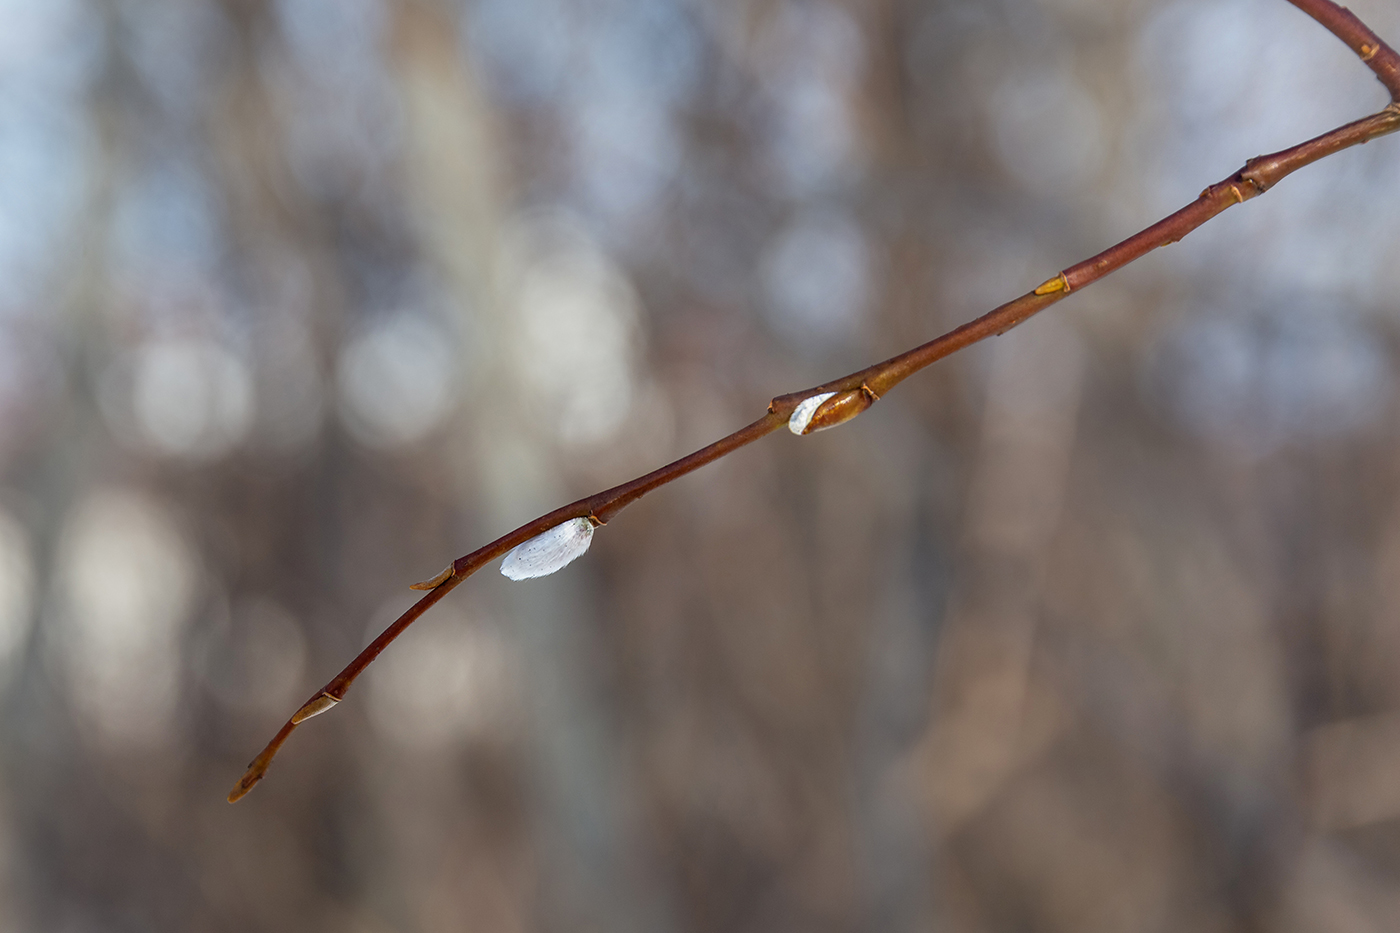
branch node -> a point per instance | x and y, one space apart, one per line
1368 52
1251 176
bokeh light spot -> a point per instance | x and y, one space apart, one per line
16 591
577 337
396 381
252 659
1261 381
1048 131
126 578
191 398
817 277
442 685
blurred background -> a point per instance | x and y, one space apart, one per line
1095 627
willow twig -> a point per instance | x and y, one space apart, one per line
850 395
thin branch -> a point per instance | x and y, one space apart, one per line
852 394
1343 24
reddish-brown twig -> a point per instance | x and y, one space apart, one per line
852 394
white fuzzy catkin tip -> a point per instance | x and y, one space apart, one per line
802 414
545 553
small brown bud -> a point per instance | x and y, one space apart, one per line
436 581
829 409
314 707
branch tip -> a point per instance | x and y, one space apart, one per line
246 783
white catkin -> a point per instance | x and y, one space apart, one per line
802 414
545 553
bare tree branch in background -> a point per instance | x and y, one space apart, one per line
839 400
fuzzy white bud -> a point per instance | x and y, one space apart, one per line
802 414
553 550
